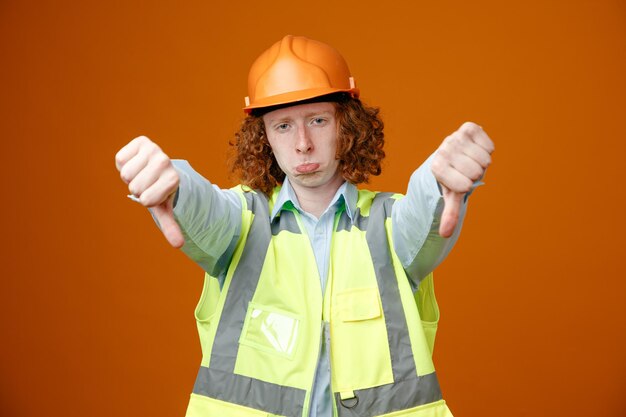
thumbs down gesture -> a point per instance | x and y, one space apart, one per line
153 182
461 160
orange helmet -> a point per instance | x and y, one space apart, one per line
295 69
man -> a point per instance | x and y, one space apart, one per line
318 299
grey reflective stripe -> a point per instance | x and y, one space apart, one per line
402 361
285 221
242 287
408 390
400 395
249 392
219 381
389 202
360 222
344 222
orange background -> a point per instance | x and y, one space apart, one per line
97 310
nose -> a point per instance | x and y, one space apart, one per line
303 144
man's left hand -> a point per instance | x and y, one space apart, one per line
461 160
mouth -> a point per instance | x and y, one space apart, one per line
307 168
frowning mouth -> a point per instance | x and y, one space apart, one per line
307 168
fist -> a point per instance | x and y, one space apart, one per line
461 160
152 179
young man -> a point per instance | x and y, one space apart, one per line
318 298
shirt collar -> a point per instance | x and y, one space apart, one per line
347 194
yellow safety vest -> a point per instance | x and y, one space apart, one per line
261 331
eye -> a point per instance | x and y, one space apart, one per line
282 127
320 121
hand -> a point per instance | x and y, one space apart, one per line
151 178
462 159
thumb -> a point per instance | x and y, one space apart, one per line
164 214
452 208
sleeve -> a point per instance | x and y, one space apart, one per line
416 219
209 217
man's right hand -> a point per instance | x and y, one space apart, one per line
152 179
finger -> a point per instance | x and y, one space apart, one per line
478 136
450 215
134 166
129 151
467 167
447 175
477 153
161 190
155 167
164 214
482 140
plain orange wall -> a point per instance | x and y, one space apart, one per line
96 309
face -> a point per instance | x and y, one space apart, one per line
304 141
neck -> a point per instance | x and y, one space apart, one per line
316 200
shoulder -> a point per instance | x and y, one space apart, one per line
368 200
255 199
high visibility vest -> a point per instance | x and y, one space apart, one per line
261 331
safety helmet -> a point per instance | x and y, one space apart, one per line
295 69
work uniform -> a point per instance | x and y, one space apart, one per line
282 307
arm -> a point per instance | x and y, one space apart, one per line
427 222
206 220
416 219
209 218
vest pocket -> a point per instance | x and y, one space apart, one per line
205 311
358 304
201 406
360 354
428 310
270 330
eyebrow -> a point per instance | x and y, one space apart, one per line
306 116
318 113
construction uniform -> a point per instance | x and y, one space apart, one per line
294 322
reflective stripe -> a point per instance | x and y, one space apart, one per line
285 221
402 361
219 381
400 395
344 223
242 287
249 392
409 390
